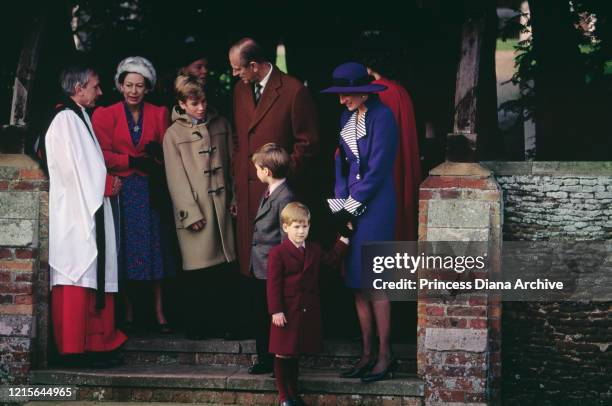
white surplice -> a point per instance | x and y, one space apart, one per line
77 176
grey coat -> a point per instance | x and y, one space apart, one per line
267 229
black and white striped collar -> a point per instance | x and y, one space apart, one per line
354 131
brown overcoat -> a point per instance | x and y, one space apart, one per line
198 159
285 115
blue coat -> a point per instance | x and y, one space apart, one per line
364 175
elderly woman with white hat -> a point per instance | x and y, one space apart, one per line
130 133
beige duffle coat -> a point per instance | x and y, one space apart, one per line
198 167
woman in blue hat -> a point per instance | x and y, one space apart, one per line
365 197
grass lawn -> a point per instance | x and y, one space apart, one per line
507 45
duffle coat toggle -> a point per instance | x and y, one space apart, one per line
197 158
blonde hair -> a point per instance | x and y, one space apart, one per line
188 86
273 157
295 212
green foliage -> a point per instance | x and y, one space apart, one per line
524 63
595 50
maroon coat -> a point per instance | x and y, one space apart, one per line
285 115
293 288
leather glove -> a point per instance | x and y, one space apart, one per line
143 164
154 150
341 218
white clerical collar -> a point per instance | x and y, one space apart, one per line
275 185
265 80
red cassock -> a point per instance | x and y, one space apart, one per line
293 288
77 326
407 170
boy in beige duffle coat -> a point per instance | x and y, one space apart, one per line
197 155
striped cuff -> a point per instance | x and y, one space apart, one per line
353 206
335 205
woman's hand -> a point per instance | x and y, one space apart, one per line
116 186
279 320
197 226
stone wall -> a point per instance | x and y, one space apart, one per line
556 351
23 251
458 337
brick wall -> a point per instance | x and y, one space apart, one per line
458 338
556 351
23 251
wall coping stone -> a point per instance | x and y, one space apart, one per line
18 161
575 168
471 169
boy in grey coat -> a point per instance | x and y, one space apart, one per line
272 164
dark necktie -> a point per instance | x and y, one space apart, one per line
265 196
257 92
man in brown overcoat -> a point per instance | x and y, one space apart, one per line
269 106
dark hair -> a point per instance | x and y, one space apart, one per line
189 53
249 51
380 52
122 76
273 157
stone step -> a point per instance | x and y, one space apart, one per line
174 349
224 385
95 403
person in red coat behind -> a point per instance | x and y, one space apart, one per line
407 169
131 133
293 297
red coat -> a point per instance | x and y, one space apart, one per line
293 288
111 127
407 170
285 115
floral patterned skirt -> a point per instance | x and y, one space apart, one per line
141 242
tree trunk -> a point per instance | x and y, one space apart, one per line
475 90
559 81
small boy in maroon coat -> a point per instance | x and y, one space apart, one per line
293 297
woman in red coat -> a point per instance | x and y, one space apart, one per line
130 134
407 167
293 297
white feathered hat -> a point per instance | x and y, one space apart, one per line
136 64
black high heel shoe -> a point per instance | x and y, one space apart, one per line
355 372
386 373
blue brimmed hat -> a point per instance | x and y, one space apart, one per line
352 77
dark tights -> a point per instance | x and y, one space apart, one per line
368 312
286 371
